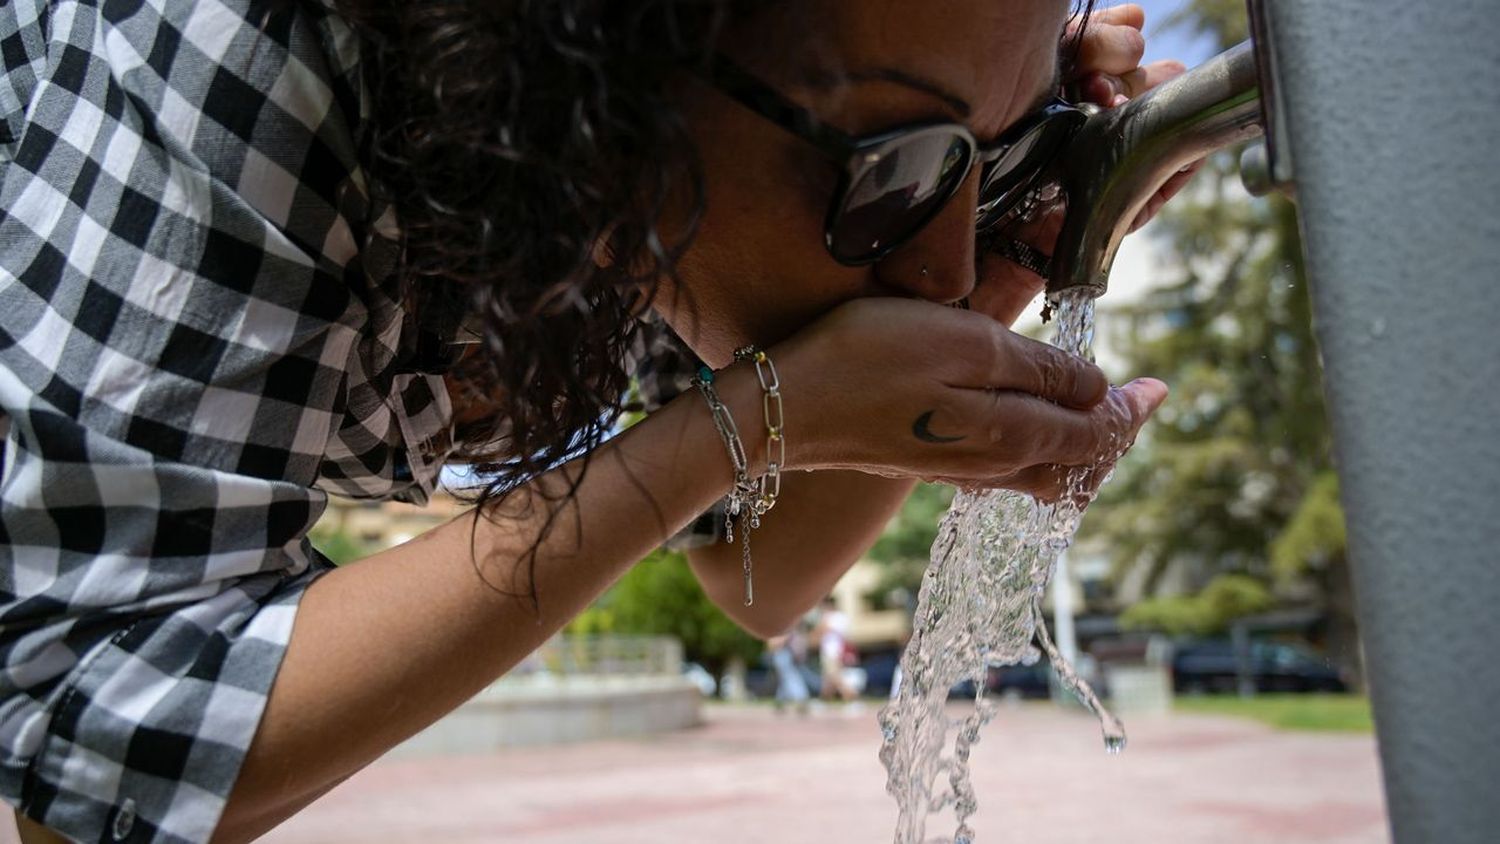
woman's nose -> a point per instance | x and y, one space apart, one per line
937 264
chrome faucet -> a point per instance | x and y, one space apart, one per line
1122 156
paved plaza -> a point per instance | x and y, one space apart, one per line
749 775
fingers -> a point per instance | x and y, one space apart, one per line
1050 483
1110 90
1128 14
1111 49
1060 452
1169 189
1069 437
1125 14
1028 366
1139 80
1047 482
1108 65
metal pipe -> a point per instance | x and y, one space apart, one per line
1122 156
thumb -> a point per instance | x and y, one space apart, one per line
1143 396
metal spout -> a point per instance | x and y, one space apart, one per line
1122 156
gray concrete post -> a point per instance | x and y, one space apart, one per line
1393 117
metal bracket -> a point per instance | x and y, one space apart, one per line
1269 168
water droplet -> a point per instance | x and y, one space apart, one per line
1114 744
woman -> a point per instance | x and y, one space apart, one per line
244 248
832 635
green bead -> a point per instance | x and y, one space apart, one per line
706 375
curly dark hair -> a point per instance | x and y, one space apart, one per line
514 137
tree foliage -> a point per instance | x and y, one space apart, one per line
1234 477
338 546
1207 612
1315 536
660 596
905 546
1230 457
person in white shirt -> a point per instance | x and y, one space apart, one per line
832 634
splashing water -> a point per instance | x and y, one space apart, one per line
980 605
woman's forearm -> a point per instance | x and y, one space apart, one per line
385 646
820 526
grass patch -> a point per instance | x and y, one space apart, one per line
1321 712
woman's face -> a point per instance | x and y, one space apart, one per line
757 270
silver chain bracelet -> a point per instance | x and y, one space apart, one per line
749 499
768 486
741 495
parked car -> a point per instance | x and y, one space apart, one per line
1025 681
880 671
1212 666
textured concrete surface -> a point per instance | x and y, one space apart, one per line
749 775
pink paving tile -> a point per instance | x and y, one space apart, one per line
750 776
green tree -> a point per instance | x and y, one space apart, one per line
1225 598
660 596
338 546
1233 476
905 545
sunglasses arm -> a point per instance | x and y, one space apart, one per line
1122 157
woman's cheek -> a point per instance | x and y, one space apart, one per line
1004 290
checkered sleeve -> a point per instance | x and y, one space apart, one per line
662 368
200 338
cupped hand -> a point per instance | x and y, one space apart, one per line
911 389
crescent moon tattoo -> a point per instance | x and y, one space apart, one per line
920 431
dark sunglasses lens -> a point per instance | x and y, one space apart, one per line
898 193
1008 178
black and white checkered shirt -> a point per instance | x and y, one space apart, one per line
200 337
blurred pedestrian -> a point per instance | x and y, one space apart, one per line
788 653
834 651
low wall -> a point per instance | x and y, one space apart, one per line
556 710
1139 689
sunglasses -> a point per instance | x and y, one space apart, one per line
893 183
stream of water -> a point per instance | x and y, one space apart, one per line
980 605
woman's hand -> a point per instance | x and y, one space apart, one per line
912 389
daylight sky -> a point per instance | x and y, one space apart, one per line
1162 44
